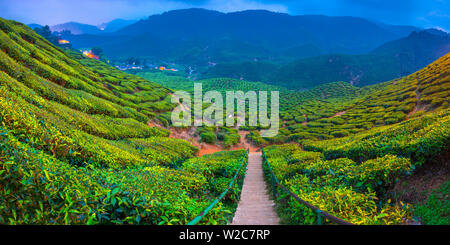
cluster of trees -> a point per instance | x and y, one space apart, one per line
47 34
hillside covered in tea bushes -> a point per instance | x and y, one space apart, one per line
384 159
75 147
353 178
337 109
353 150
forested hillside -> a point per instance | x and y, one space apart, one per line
197 36
391 60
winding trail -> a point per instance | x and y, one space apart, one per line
420 106
255 206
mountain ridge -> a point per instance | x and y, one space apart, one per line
199 30
77 28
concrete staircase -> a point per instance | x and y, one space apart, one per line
255 206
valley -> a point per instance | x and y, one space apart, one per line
83 141
294 51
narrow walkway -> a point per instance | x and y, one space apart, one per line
255 207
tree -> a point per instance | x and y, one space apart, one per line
97 51
46 33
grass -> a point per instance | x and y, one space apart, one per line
436 209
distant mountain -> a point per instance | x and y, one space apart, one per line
417 50
76 28
210 36
400 30
391 60
437 32
115 25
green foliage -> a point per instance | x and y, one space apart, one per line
229 137
76 147
419 139
339 109
207 134
219 168
436 209
340 187
208 137
50 191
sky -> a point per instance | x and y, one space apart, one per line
421 13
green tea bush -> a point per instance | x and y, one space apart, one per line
341 187
50 191
419 139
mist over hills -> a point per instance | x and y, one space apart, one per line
77 28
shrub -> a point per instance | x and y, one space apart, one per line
208 137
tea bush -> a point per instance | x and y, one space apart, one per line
419 139
37 188
341 187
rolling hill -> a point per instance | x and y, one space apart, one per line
115 25
339 109
371 155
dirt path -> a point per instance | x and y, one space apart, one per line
420 106
255 206
243 144
338 114
188 134
304 123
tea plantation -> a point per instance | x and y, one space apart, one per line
75 147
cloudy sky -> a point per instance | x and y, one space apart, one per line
422 13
